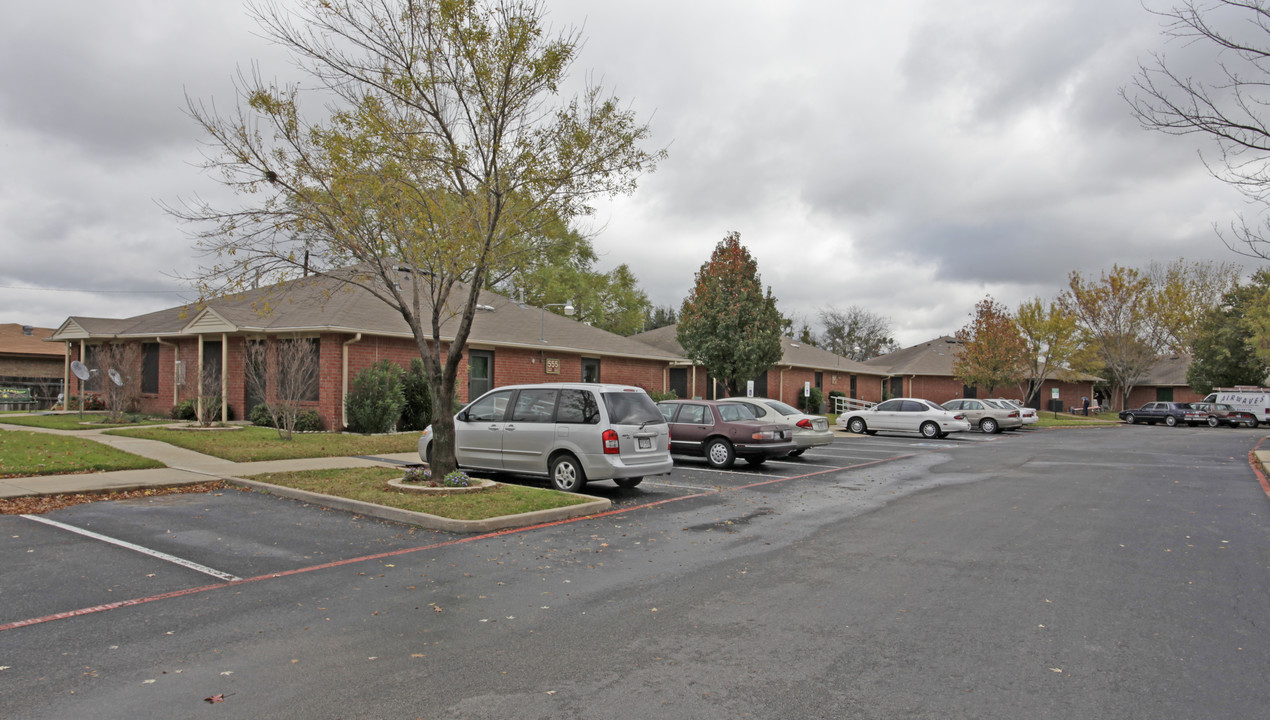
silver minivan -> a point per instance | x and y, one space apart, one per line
569 432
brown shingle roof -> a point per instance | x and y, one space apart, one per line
326 305
15 342
793 353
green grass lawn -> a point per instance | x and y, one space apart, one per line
368 485
71 421
252 444
24 453
1048 419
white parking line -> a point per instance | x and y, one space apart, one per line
143 550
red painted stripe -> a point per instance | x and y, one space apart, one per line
405 551
1256 467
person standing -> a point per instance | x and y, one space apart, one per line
1084 399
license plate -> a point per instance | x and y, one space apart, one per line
644 443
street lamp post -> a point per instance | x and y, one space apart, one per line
542 331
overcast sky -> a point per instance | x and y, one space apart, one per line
909 157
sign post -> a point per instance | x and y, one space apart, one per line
1054 401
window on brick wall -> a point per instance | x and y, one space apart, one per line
969 391
590 370
150 368
311 392
1164 394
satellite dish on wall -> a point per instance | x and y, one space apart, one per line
80 370
114 377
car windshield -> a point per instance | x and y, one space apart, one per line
631 408
781 407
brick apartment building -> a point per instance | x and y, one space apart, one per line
29 363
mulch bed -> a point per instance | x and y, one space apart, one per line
40 504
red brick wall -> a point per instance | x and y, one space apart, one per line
1144 394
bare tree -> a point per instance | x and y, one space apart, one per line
292 365
856 333
445 153
122 361
1230 109
210 396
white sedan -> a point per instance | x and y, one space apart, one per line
905 415
809 430
1028 414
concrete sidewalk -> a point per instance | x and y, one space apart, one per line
184 467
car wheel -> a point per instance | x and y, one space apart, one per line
756 461
1253 423
1129 419
857 426
719 454
798 452
989 426
628 483
1170 421
930 430
567 475
1213 422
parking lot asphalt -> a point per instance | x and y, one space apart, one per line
125 551
129 620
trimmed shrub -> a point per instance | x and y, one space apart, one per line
260 416
812 403
183 410
659 396
416 412
374 403
309 421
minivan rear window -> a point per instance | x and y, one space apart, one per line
577 407
632 408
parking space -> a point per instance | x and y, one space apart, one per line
100 553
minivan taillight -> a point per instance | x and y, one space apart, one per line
609 438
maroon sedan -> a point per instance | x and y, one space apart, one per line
721 431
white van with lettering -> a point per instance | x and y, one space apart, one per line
1255 400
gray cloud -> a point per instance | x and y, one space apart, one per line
907 157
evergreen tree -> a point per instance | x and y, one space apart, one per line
727 323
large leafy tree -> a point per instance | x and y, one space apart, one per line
1114 314
1182 294
1050 340
727 323
993 351
1225 350
565 272
856 333
443 153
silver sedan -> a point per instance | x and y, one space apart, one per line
809 430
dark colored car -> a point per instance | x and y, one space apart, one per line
1169 413
1223 414
721 431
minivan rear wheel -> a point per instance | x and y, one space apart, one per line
566 474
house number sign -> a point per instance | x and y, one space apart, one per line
553 366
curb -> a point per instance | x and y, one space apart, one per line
424 520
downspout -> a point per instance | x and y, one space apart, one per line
66 372
81 382
781 385
177 350
199 381
224 377
344 372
